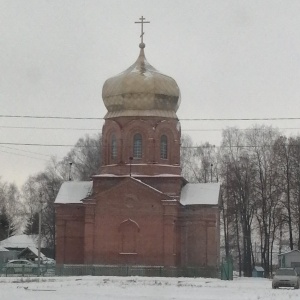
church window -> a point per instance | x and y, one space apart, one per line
113 147
163 147
137 146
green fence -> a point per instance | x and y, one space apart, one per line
45 270
102 270
115 270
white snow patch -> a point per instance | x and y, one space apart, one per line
74 191
140 288
200 193
20 241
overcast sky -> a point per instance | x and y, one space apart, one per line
231 59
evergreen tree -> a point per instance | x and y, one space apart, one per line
32 226
7 229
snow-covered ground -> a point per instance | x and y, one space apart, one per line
92 288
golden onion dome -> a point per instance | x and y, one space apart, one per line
141 91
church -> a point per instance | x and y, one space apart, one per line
139 210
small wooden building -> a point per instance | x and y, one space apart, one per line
6 255
258 272
30 253
289 259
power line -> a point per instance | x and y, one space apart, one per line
48 128
42 145
182 147
27 151
241 119
235 146
61 145
19 154
182 119
241 129
50 117
99 129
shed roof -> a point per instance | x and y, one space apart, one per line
287 253
74 191
200 193
258 269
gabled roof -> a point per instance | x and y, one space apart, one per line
126 180
200 194
2 249
73 191
20 241
147 185
34 250
139 175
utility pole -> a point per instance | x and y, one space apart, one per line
40 233
70 169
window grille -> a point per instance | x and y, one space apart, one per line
137 146
113 147
163 147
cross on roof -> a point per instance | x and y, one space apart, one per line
142 22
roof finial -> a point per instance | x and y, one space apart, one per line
142 22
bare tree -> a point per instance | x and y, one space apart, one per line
44 186
198 163
267 190
84 159
31 200
283 155
186 157
294 144
239 173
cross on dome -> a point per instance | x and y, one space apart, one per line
141 90
142 22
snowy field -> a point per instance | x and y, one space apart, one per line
92 288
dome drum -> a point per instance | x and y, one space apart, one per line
142 101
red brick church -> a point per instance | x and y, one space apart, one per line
139 210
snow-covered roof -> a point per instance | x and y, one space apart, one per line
2 249
289 252
74 191
200 193
20 241
137 175
34 250
258 269
145 184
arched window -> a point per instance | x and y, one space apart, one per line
137 146
129 230
113 147
163 147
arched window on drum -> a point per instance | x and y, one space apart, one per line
114 151
137 146
164 147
